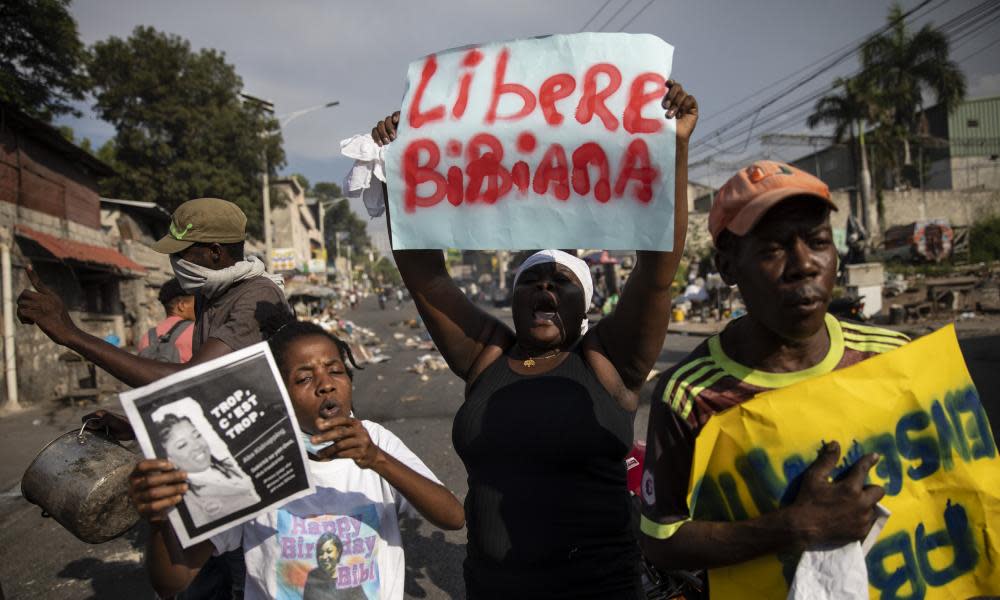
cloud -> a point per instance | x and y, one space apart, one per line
300 53
985 86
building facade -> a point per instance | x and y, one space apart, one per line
50 219
296 236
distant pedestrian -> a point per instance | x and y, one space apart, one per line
171 339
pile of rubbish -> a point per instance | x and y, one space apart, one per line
427 363
365 345
420 341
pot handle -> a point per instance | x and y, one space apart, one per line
79 436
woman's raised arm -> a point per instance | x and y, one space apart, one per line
460 329
632 336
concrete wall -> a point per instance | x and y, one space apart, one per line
142 308
975 172
961 208
42 373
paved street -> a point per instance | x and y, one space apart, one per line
38 559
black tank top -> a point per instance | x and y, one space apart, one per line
548 510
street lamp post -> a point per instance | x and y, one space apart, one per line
266 195
323 206
268 107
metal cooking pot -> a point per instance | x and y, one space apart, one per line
81 480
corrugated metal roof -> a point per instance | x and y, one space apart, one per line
151 209
974 128
80 252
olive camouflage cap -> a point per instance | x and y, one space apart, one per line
206 220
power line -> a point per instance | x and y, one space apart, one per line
980 26
594 16
782 94
980 51
615 16
636 15
963 20
854 44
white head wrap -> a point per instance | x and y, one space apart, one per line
579 268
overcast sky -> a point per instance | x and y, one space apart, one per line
300 53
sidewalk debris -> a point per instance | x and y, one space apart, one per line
428 362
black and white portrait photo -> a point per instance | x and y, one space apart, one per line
229 426
217 485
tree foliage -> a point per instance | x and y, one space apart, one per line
41 57
984 240
855 102
905 65
182 131
899 67
384 271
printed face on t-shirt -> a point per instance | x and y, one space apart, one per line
307 546
327 557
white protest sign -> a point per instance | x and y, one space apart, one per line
553 142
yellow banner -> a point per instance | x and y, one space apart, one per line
915 406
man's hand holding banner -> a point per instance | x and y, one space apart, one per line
918 409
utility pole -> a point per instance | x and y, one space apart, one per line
268 107
266 192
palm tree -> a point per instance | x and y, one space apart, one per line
905 66
849 111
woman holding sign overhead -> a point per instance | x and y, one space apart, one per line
549 407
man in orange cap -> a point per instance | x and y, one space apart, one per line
770 224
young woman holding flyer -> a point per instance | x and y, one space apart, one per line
365 478
549 407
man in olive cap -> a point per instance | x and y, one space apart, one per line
236 302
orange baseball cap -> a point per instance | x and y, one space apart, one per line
742 201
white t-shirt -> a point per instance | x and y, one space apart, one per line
357 506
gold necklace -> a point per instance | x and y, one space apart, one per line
530 362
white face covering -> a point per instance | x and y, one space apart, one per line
579 268
213 282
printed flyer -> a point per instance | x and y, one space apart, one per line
230 425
